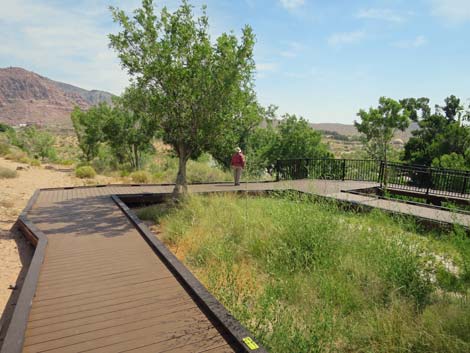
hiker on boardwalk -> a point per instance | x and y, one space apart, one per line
238 163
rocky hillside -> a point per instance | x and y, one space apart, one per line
26 97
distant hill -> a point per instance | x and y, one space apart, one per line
343 129
350 129
26 97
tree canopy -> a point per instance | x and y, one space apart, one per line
380 124
198 90
293 137
125 128
442 137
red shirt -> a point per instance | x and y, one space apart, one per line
238 160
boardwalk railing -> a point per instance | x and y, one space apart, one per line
408 178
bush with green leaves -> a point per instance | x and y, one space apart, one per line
37 143
35 163
85 172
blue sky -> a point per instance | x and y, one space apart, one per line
320 59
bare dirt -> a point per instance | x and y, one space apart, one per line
15 252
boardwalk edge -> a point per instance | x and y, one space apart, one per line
212 306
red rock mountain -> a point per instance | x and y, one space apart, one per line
26 97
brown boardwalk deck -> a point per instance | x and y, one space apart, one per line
101 284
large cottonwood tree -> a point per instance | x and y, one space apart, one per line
198 88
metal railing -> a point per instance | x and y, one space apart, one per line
410 178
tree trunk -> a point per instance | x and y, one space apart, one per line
385 169
136 158
181 186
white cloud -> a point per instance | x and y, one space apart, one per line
380 14
267 67
293 50
454 11
417 42
263 69
66 44
292 4
339 39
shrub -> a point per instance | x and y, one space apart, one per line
6 173
200 172
35 163
4 149
25 160
140 176
85 172
16 155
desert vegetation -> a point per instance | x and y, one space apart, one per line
302 283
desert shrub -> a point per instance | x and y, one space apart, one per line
16 154
140 176
25 160
66 162
85 172
4 149
35 163
6 173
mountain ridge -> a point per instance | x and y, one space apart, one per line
29 98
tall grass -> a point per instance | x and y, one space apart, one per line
306 276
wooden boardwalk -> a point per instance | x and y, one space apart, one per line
100 282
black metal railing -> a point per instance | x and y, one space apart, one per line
411 178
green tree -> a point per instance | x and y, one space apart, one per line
292 138
379 126
296 139
129 130
88 127
198 88
440 133
37 143
240 134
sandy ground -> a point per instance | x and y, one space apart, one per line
15 252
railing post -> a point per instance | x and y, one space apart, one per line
278 177
381 173
344 170
429 182
465 182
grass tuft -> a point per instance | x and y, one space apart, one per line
6 173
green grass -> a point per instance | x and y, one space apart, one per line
306 276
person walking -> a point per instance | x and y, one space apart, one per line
238 163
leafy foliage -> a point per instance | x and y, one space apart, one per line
88 127
124 127
442 138
197 91
380 124
291 138
35 142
